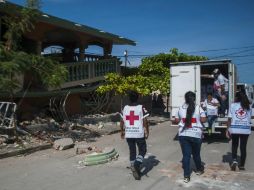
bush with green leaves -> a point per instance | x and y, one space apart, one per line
153 74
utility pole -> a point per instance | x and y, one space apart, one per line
125 60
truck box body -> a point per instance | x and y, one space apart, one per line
186 76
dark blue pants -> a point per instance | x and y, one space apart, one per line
210 120
140 143
190 146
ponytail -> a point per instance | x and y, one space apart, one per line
243 99
190 99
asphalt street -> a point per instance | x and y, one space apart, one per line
51 169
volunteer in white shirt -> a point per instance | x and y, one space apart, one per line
134 127
189 119
211 106
239 128
221 90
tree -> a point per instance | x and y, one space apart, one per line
14 62
153 74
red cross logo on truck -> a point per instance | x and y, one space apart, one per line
132 117
240 113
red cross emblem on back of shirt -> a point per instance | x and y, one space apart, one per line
240 113
132 117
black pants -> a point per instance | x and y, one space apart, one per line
140 143
243 143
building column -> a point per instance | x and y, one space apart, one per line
81 53
38 47
107 50
82 48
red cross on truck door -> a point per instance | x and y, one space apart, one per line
132 117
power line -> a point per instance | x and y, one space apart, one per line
223 49
244 51
250 55
245 63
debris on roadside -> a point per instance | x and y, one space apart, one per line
83 147
63 144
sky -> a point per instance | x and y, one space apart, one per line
193 26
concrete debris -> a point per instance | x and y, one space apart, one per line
63 144
83 147
3 139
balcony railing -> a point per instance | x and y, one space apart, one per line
87 72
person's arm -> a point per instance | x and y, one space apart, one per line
145 122
228 135
122 130
146 127
122 133
216 103
207 76
202 115
176 120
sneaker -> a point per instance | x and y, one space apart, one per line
186 179
241 167
200 172
136 172
233 165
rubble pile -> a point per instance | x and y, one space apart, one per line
101 124
50 130
80 128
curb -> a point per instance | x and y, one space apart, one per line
25 151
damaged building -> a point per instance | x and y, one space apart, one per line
85 71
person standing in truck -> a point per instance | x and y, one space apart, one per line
134 127
220 86
239 128
189 119
211 105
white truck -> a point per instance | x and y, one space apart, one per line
186 76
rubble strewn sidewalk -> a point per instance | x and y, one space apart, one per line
16 149
41 133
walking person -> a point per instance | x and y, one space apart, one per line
239 128
189 118
211 105
134 127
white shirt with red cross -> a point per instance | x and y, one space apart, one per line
133 120
195 129
240 119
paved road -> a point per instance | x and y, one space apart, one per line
50 169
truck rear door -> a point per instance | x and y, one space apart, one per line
183 78
232 76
